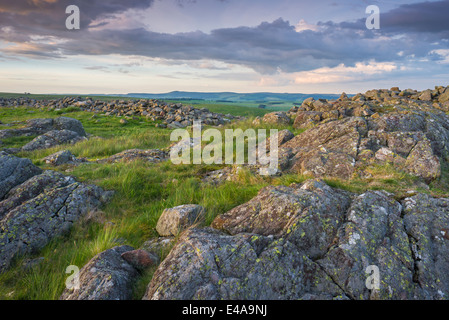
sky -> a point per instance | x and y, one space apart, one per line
158 46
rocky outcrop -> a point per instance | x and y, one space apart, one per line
174 114
35 127
49 132
107 276
345 136
208 264
39 206
312 241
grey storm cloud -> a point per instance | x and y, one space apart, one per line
47 17
422 17
266 48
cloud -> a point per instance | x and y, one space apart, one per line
344 73
47 17
422 17
268 48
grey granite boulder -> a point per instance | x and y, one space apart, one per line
175 220
14 171
312 241
40 208
107 276
53 138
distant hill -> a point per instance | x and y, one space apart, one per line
232 96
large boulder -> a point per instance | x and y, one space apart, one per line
312 241
314 209
40 208
35 127
210 265
14 171
329 149
53 138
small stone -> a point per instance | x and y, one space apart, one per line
140 259
175 220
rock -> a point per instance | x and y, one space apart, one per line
44 206
277 118
306 119
123 121
210 265
283 136
278 211
107 276
64 123
426 221
32 263
343 97
386 155
152 155
373 235
159 247
327 149
175 125
14 171
423 163
42 126
52 139
60 158
177 219
444 96
257 121
312 241
140 259
426 95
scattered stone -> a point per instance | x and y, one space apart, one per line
152 155
140 259
277 118
175 220
29 264
62 157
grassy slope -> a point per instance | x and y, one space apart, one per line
142 192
